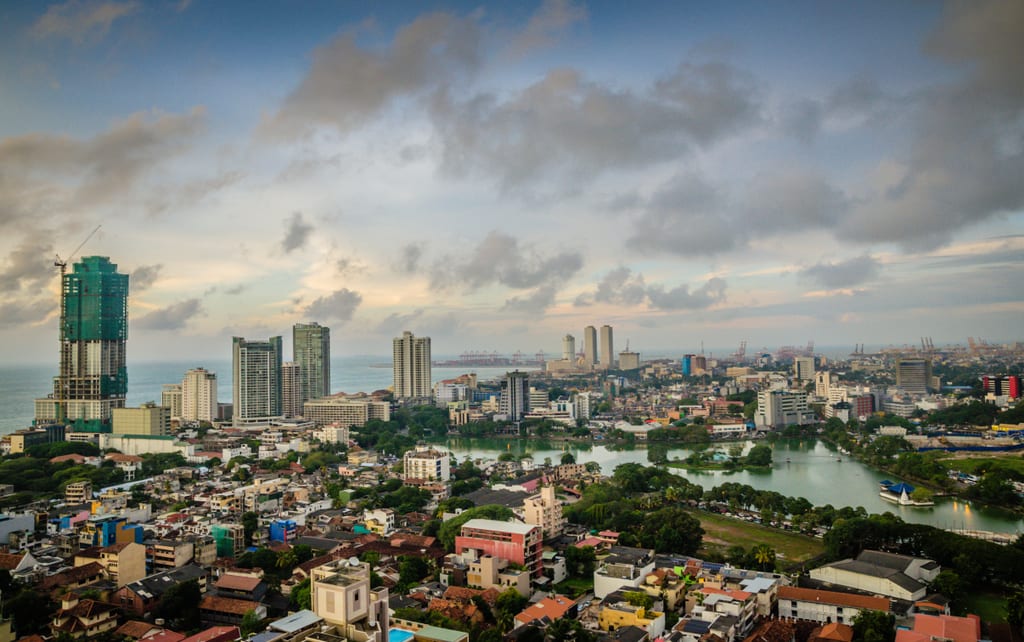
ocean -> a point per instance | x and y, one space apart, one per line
21 385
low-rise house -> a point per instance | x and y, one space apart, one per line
625 567
898 576
142 597
827 606
616 614
83 618
547 610
240 586
942 627
214 610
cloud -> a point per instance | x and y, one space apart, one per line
337 306
180 197
397 322
81 21
296 234
966 156
45 173
235 290
28 266
686 216
173 317
618 287
566 130
144 276
681 298
18 313
535 302
409 258
347 85
843 274
551 19
498 258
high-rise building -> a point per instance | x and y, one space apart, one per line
171 397
607 347
589 346
427 464
291 389
311 350
569 348
687 364
1003 385
515 395
803 369
148 419
411 366
93 377
914 375
778 409
629 360
198 396
256 379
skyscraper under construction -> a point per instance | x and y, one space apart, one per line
93 378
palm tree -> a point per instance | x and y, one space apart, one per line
764 555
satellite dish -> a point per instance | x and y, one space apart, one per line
353 561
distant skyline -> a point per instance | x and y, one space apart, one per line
495 176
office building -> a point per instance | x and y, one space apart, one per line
629 360
291 389
607 348
687 364
515 395
256 380
823 383
518 543
411 366
93 378
803 369
914 375
1003 385
148 419
569 348
589 347
311 350
427 464
345 412
198 396
172 398
777 409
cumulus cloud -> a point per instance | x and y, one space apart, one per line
81 21
499 258
966 157
681 298
28 266
534 302
409 258
566 129
348 84
18 313
551 19
144 276
173 317
619 287
397 322
296 233
843 274
340 305
44 173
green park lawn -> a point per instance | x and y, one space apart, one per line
721 533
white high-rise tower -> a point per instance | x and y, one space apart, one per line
411 366
607 347
199 395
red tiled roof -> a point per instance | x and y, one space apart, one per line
233 582
227 605
216 634
833 631
834 597
550 607
136 629
10 561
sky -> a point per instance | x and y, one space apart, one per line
497 175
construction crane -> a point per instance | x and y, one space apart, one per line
65 361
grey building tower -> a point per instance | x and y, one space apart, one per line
256 380
311 351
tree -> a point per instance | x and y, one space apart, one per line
760 455
507 605
300 596
411 570
580 561
251 623
1015 609
671 530
251 524
179 606
639 598
874 626
764 556
947 583
31 612
446 535
568 458
568 630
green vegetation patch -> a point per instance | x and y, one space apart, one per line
721 532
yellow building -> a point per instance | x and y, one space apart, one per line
615 616
124 563
148 419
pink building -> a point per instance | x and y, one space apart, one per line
517 543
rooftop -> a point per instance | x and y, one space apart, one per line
501 527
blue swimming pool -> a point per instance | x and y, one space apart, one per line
399 635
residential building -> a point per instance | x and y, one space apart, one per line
827 606
345 411
227 611
147 419
515 395
230 539
624 568
124 563
93 378
78 492
618 614
198 396
291 389
172 397
914 375
545 510
552 607
256 380
83 618
823 382
24 438
803 369
427 464
411 366
777 409
142 597
517 543
951 628
340 593
589 347
168 554
607 348
311 350
379 520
